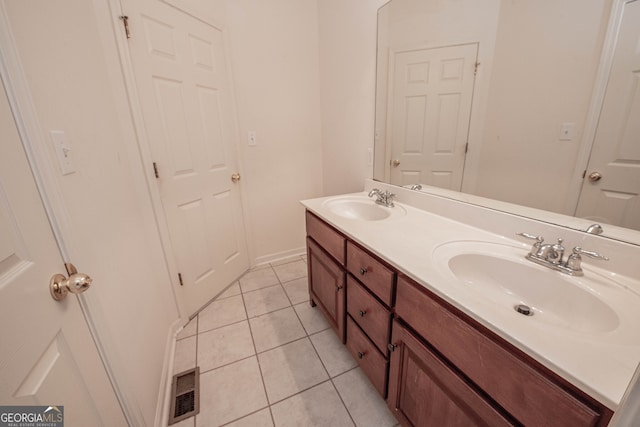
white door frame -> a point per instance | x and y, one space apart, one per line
31 134
597 99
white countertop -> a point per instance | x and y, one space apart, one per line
599 363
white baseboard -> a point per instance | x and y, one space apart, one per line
164 391
279 256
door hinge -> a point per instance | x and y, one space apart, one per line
392 347
180 279
466 148
584 173
475 68
155 170
125 22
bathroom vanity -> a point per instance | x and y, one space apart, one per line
444 354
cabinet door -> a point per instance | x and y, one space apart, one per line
326 286
423 391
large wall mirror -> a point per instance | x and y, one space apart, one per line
533 103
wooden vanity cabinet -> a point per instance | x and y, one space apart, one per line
525 390
425 391
326 274
435 365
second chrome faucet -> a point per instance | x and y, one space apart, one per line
384 198
552 255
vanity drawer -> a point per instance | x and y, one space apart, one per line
369 314
529 392
326 236
369 358
371 272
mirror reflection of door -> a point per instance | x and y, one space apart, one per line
613 196
429 111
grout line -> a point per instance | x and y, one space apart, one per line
223 326
264 386
245 416
300 392
227 364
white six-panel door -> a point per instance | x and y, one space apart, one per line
183 87
47 354
430 108
615 197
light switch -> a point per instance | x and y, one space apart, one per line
251 138
567 131
63 152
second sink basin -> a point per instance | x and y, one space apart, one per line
501 275
361 208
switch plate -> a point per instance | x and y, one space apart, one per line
567 131
63 152
251 138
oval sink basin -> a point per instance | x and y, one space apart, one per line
361 208
501 275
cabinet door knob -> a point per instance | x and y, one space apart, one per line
360 354
362 313
363 271
338 288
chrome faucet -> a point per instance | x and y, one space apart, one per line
552 256
384 198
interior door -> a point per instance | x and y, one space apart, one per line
429 115
47 355
612 180
184 90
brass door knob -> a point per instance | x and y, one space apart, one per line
395 163
595 176
60 286
235 177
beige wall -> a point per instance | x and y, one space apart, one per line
70 61
546 59
347 85
274 52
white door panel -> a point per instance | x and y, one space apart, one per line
615 198
47 356
184 91
429 114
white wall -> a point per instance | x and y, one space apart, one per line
274 53
347 32
70 61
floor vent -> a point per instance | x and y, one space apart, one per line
185 395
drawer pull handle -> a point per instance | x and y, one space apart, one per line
338 288
362 313
361 354
363 271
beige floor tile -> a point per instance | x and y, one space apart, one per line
189 330
297 290
285 260
230 393
319 406
334 355
257 279
185 355
265 300
311 317
221 313
291 368
274 329
224 345
366 406
188 422
259 419
232 290
291 271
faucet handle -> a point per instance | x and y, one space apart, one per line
538 239
579 251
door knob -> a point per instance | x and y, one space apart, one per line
235 177
595 176
60 286
395 163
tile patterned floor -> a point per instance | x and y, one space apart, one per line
267 358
